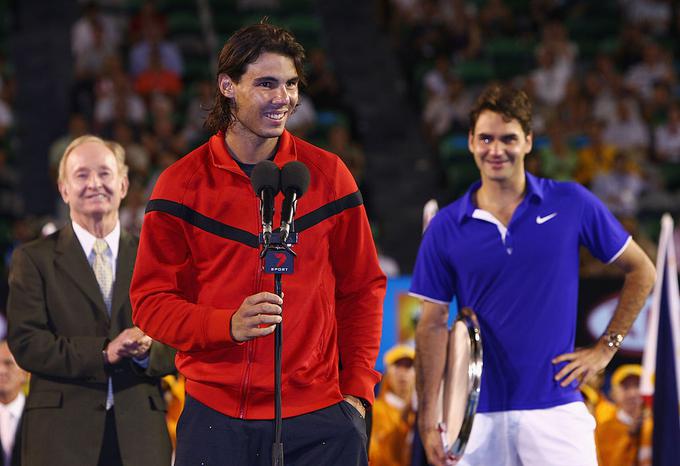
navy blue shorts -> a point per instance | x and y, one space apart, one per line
335 435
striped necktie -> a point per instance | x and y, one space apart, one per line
102 271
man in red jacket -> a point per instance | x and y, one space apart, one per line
198 283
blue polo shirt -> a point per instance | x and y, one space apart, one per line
521 281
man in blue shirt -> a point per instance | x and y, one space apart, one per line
509 250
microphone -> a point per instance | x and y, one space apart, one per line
266 181
294 183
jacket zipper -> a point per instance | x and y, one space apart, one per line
246 378
250 348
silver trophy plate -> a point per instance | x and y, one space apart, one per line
460 387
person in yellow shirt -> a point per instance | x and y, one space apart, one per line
596 401
626 438
174 397
596 157
393 413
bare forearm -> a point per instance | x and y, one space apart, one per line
633 296
431 343
636 287
584 363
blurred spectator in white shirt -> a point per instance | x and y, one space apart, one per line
550 79
119 104
621 186
667 136
555 40
653 15
655 66
436 79
140 54
449 111
627 130
602 85
84 35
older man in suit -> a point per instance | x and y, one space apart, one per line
95 396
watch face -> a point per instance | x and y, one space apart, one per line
614 340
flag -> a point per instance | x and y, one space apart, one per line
661 359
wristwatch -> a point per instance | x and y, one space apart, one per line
613 340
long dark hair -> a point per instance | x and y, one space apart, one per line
243 48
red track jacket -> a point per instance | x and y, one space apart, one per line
199 258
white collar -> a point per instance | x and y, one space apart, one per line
87 239
624 417
487 216
16 406
394 401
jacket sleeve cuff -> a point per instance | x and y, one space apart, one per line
218 327
90 348
359 382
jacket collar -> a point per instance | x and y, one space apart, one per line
219 153
72 260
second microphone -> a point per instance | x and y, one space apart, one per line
267 180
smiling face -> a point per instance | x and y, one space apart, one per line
402 378
627 396
499 146
263 98
93 185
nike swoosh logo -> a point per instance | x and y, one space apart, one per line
541 220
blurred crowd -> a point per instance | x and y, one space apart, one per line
602 77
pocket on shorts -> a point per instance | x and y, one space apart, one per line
354 417
349 407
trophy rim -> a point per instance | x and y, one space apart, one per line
475 365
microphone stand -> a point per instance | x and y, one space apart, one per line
278 260
277 446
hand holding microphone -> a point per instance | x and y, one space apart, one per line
256 317
259 314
